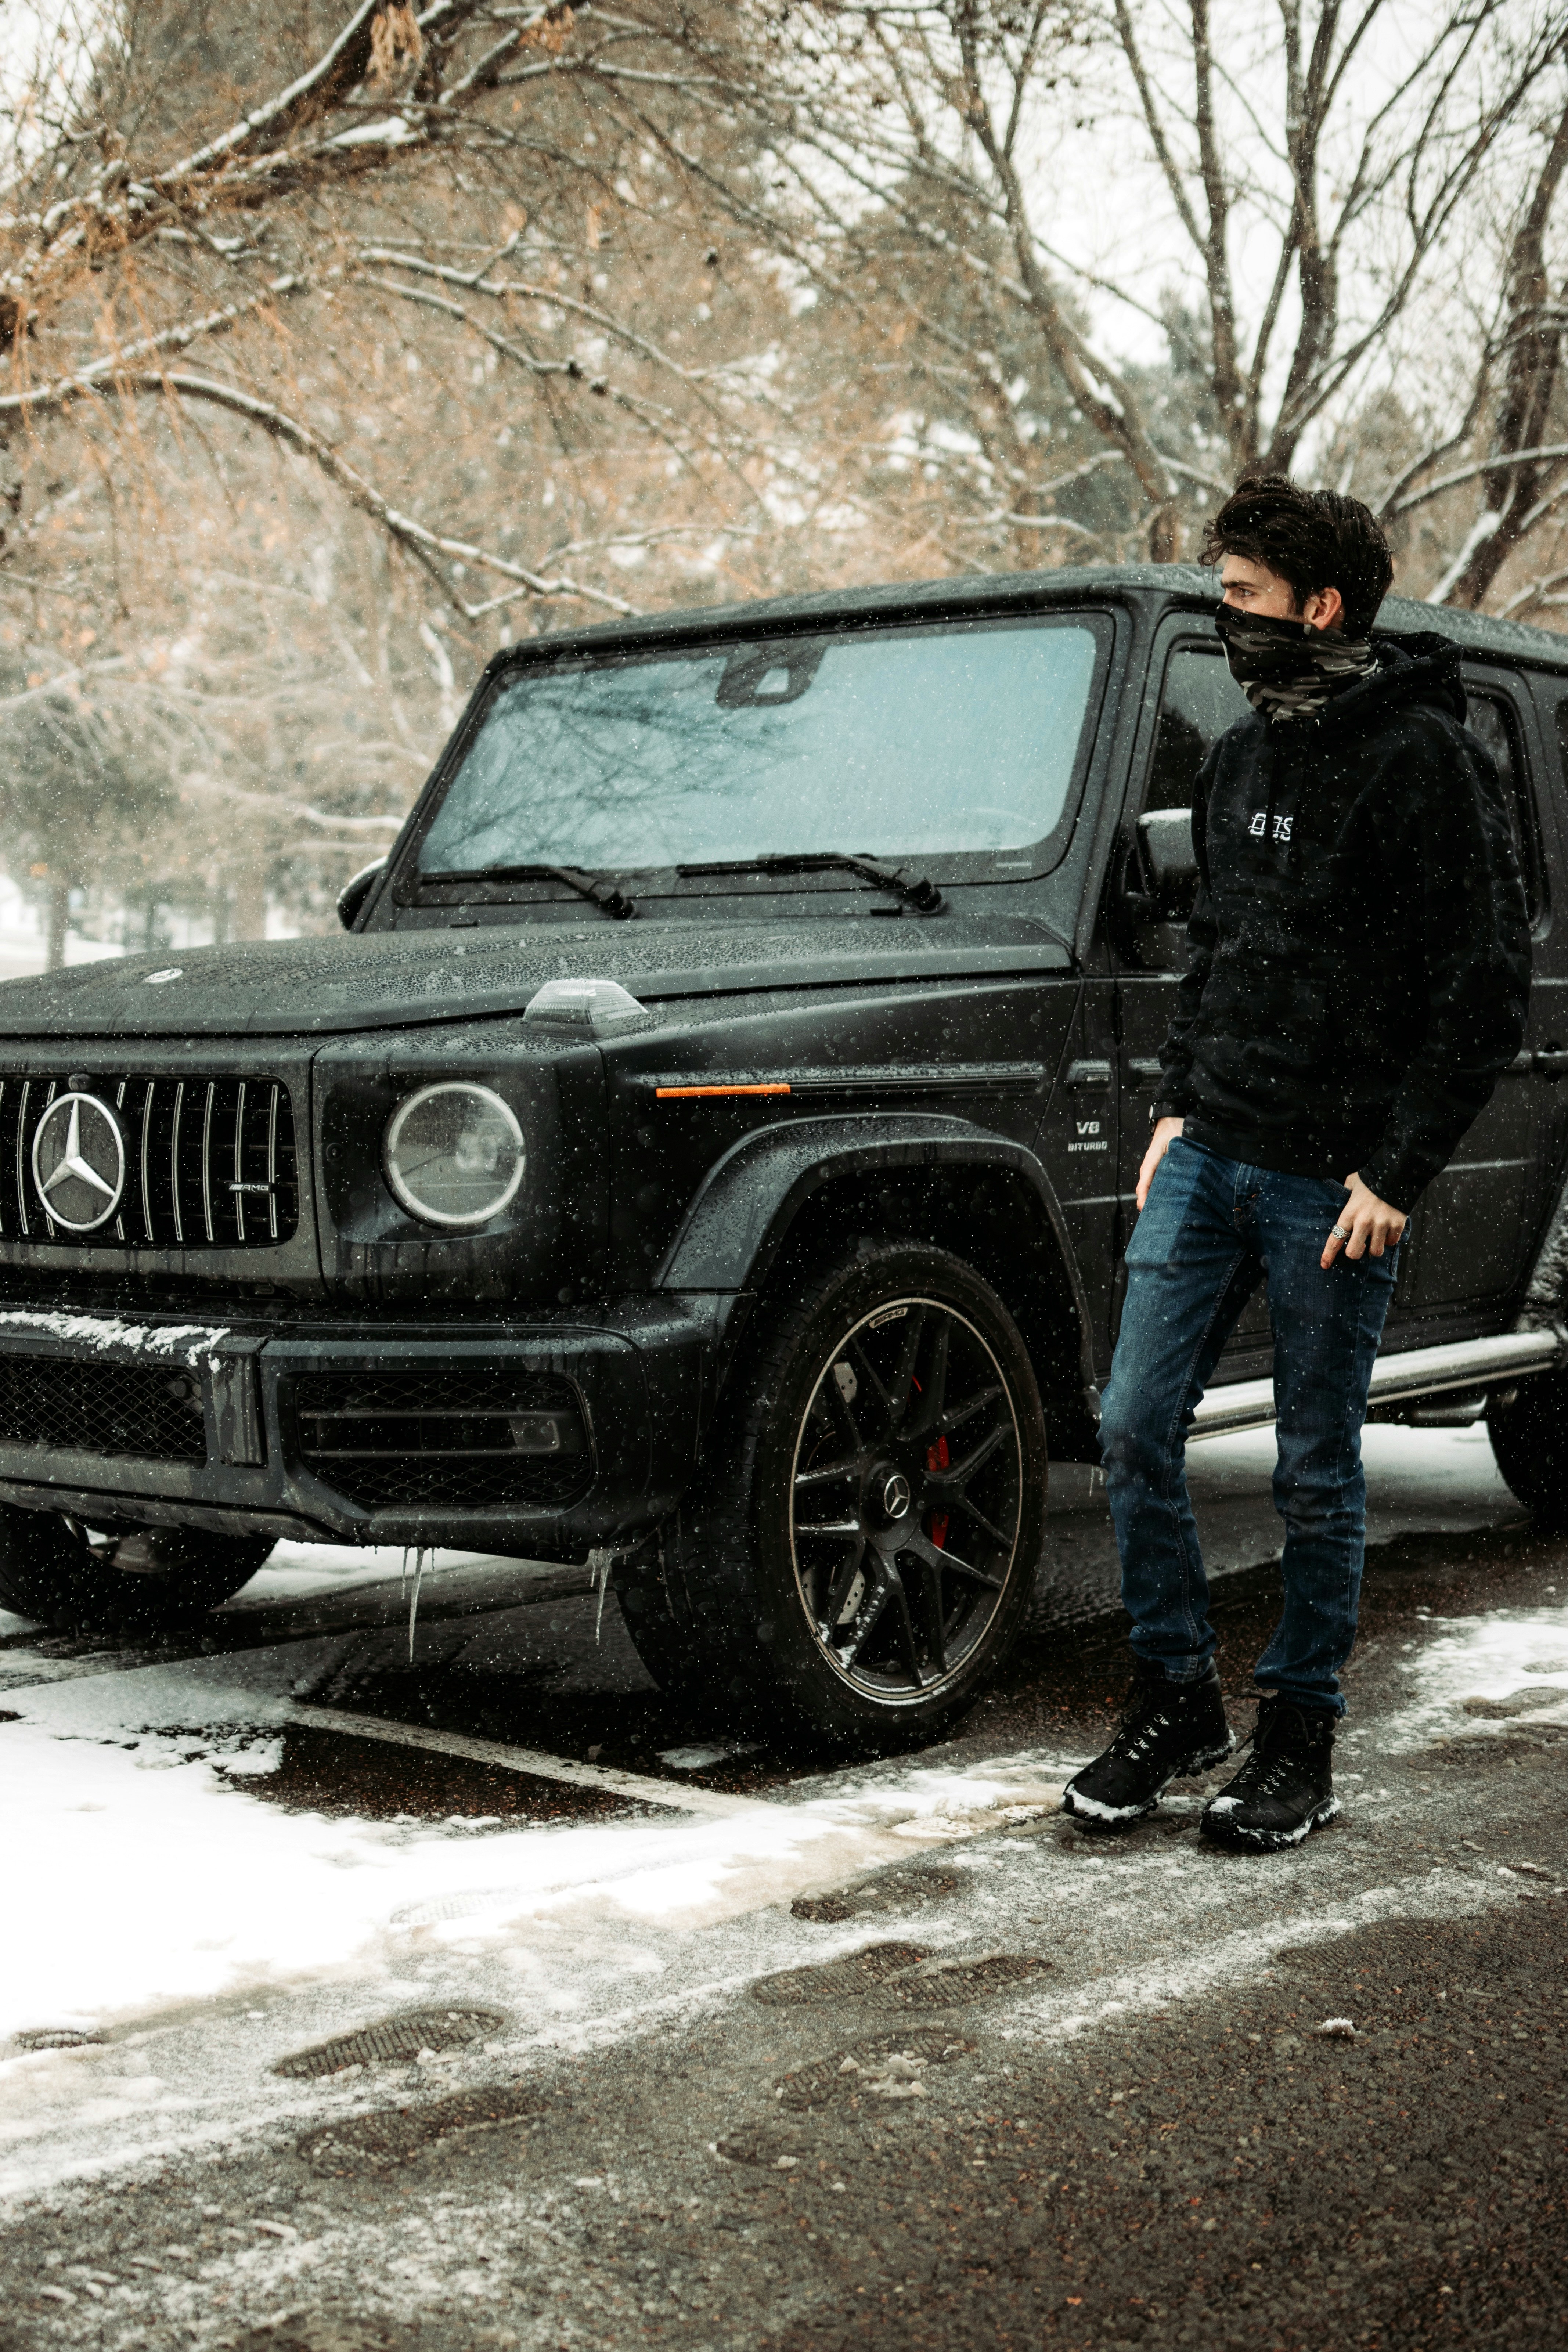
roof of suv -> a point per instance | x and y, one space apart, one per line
1012 591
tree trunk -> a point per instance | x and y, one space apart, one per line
247 903
1165 534
58 903
1533 342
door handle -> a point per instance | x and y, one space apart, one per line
1551 1061
1089 1077
1144 1073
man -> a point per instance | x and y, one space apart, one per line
1358 976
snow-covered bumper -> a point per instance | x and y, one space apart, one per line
542 1438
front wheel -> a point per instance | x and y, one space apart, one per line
861 1549
1530 1443
126 1581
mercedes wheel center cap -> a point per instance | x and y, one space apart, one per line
896 1496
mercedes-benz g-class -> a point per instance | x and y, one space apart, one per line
711 1150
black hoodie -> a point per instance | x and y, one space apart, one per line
1359 968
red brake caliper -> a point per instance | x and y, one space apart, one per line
938 1458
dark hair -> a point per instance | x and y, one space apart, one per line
1312 538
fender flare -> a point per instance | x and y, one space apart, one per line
749 1200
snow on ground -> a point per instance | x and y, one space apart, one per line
125 1799
151 1880
1509 1666
157 1896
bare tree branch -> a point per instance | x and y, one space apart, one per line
423 544
271 805
1496 467
169 338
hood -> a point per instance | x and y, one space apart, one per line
325 987
1421 668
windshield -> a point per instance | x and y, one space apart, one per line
895 743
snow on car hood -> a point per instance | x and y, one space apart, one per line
380 980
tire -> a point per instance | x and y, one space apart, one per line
67 1577
687 1668
814 1581
1530 1444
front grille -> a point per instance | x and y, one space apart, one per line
210 1163
149 1410
465 1439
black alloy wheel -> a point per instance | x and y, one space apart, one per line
861 1547
906 1499
124 1580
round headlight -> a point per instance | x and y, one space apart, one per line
454 1154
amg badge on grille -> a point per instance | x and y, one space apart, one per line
78 1161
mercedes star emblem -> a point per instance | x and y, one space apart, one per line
78 1161
896 1496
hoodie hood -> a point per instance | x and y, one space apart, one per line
1420 668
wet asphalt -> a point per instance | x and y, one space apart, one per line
1117 2120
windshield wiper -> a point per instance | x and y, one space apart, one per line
922 895
596 888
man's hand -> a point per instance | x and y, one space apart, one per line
1364 1219
1165 1133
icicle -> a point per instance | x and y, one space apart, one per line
599 1561
419 1558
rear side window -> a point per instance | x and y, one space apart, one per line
1198 700
1489 720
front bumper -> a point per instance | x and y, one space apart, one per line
627 1390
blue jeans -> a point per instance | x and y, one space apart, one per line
1213 1230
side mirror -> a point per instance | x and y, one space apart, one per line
1168 859
1155 888
353 896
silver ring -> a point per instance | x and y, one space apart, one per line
1343 1233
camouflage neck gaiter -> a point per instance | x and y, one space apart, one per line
1288 670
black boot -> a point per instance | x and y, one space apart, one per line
1167 1729
1286 1786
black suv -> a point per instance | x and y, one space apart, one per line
712 1150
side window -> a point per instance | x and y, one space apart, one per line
1198 700
1489 720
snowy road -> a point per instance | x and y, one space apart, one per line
216 1860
